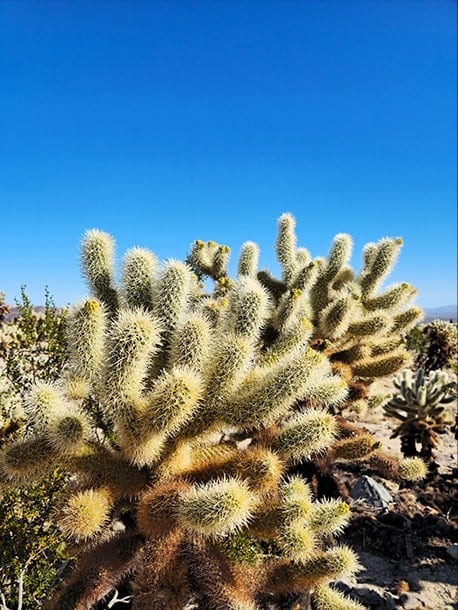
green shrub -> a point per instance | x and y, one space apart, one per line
32 547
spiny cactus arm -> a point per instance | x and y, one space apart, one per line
295 498
394 297
406 320
385 346
133 339
370 325
46 401
329 391
379 260
286 247
327 598
220 262
282 576
211 308
336 317
172 294
295 335
24 460
269 393
229 363
97 572
328 517
141 447
350 353
344 277
305 277
138 279
172 401
208 457
354 447
216 508
296 540
67 432
303 257
190 343
394 467
97 264
98 465
216 583
209 259
306 435
157 515
292 306
248 259
248 308
339 255
261 468
86 327
381 366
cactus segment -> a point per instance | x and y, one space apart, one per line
86 327
216 508
327 598
307 434
85 514
97 265
190 344
248 260
138 279
172 401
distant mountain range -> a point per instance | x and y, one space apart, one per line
442 312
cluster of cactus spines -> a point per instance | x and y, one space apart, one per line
181 412
438 345
421 407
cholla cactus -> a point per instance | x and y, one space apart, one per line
436 345
420 405
180 414
358 327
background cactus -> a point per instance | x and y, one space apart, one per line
181 413
421 407
435 345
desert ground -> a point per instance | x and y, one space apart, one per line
408 551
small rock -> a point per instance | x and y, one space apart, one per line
453 551
372 492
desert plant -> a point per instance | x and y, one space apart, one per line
4 309
420 405
178 417
358 326
435 345
32 545
33 346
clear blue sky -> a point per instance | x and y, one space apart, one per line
165 122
